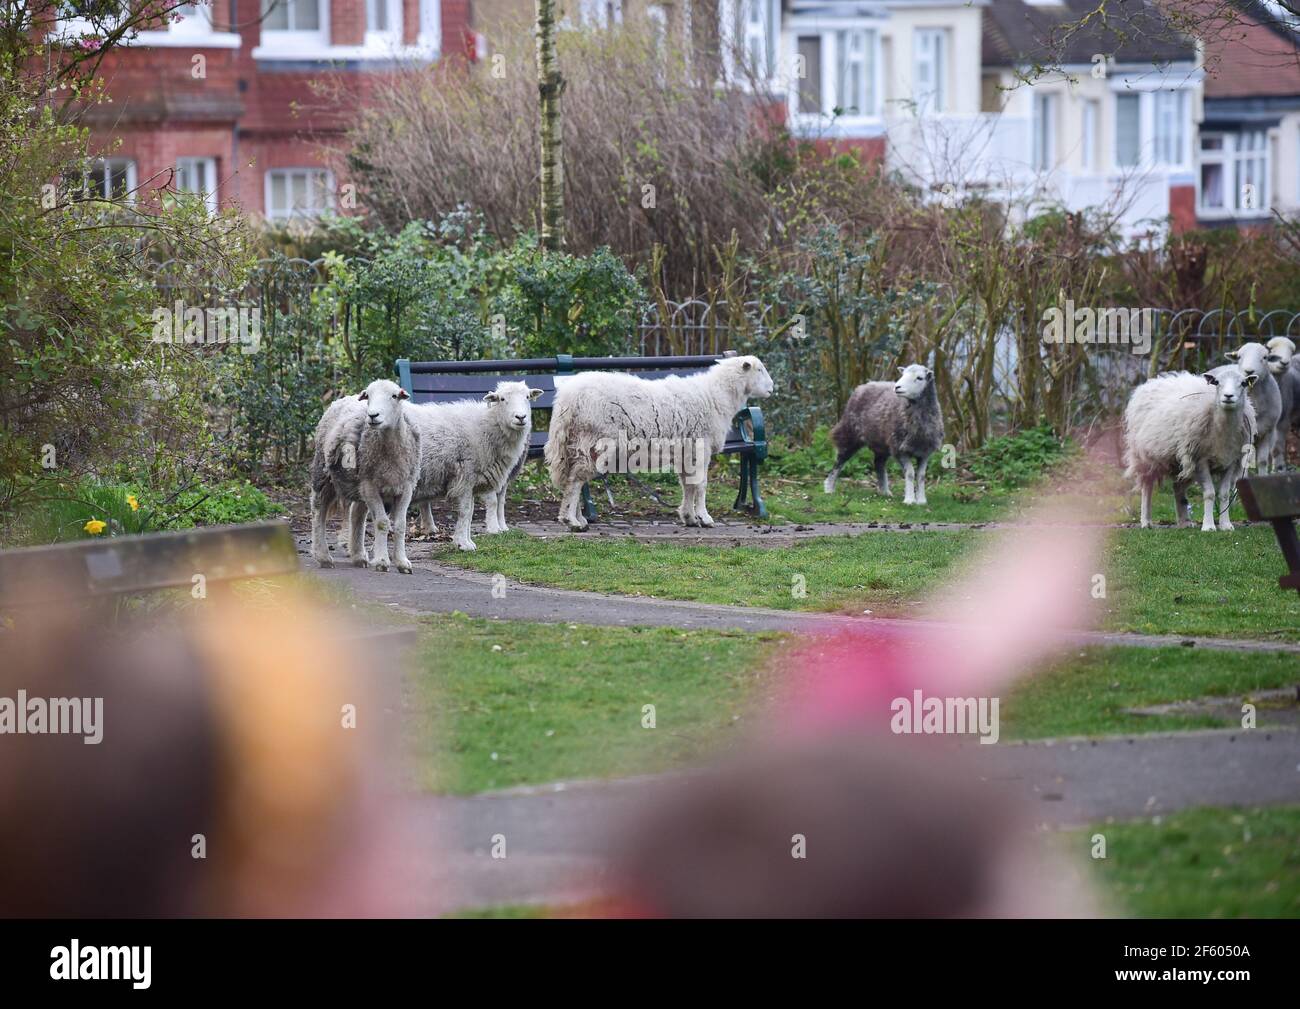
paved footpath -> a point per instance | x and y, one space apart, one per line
441 588
558 836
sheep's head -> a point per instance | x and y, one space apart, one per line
1280 352
384 401
913 381
512 404
1230 385
755 382
1253 358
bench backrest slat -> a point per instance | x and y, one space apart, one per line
125 564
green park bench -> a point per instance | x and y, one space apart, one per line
449 381
1276 499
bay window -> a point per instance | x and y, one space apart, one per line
837 74
1232 180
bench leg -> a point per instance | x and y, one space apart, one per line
760 509
588 505
744 484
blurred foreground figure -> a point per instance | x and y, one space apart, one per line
839 807
226 780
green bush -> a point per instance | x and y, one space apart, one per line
1017 459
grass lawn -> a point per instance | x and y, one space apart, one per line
561 702
495 703
1164 581
1202 863
1085 694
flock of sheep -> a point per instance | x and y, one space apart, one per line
1209 428
377 454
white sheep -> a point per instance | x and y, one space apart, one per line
1286 370
900 419
680 421
1187 427
472 448
366 454
1265 397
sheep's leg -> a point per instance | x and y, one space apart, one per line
320 550
1266 453
686 510
841 460
382 526
428 527
1225 498
700 508
344 543
501 510
1181 507
1207 496
490 512
571 515
464 514
1147 487
399 532
355 521
909 480
881 462
920 480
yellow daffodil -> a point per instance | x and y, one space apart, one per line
131 500
95 527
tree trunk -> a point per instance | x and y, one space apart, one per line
550 85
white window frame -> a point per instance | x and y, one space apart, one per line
1044 124
312 213
429 36
380 38
1089 130
865 122
1233 156
131 181
935 101
739 31
291 40
1154 149
206 170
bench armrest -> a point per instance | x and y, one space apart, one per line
749 422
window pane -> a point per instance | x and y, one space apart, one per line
1212 186
298 191
279 199
306 15
810 87
275 15
377 15
1128 129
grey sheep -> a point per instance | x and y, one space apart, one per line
900 419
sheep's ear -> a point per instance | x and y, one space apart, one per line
491 397
364 395
534 393
1232 355
747 366
901 370
1211 379
403 394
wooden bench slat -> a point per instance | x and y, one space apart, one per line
123 564
1270 497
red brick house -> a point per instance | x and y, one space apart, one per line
236 95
